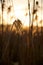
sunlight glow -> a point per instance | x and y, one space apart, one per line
18 11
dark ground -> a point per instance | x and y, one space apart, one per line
25 49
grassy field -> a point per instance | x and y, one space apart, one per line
25 47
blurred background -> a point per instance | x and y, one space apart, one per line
21 32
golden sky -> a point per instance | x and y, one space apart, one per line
19 10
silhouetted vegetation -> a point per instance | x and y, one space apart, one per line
25 49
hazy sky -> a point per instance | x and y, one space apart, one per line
20 5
